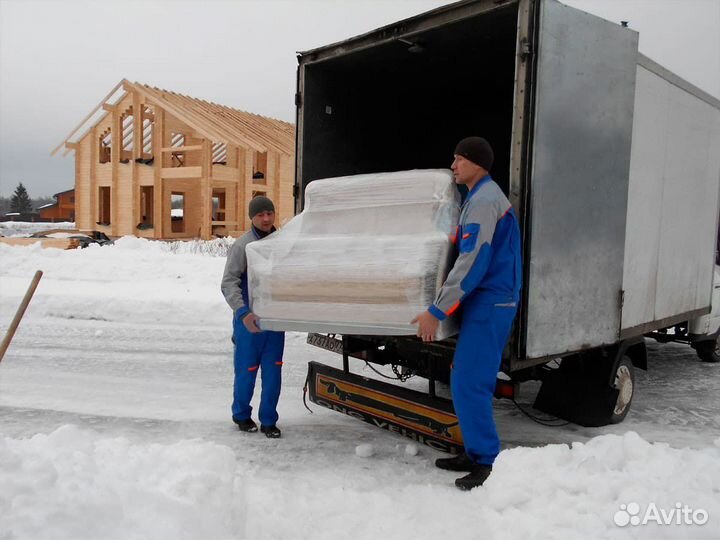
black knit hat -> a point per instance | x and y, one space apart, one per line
260 204
477 150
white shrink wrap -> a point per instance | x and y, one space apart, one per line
367 254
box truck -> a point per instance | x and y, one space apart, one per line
611 162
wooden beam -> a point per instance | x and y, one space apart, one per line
277 185
136 154
182 148
81 124
181 172
206 191
71 145
116 147
94 159
185 116
158 194
109 108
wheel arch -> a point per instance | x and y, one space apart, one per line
635 349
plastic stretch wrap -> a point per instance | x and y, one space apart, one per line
366 255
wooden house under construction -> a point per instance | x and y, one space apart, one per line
158 164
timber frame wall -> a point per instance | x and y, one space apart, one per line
153 149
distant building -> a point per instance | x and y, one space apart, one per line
21 216
153 151
63 209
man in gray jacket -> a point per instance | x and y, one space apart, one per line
254 349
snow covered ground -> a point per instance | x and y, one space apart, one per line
24 228
114 423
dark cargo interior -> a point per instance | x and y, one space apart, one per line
404 104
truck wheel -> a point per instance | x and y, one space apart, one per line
593 391
708 351
625 385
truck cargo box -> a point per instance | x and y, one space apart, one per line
618 234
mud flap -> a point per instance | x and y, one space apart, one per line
420 417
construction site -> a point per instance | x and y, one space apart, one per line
161 165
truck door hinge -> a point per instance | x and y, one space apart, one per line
525 51
296 191
621 299
298 99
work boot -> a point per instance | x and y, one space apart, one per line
461 462
247 425
271 432
476 477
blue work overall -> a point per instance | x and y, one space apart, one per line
484 284
256 352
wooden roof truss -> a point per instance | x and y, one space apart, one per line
223 125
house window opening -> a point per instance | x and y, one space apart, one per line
146 207
177 212
259 167
218 205
103 205
219 154
105 146
177 157
148 122
127 127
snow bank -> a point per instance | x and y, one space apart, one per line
74 484
77 484
133 280
23 228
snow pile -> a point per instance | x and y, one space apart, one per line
162 370
364 450
73 484
581 488
132 280
411 449
24 228
217 247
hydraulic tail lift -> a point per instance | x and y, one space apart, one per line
423 417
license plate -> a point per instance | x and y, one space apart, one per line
325 342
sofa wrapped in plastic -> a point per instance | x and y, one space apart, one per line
366 255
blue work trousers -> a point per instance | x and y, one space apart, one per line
484 331
257 352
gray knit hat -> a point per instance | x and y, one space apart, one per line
477 150
259 204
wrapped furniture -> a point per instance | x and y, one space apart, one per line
366 255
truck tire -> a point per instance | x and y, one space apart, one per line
709 350
593 391
625 385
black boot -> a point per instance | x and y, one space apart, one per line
271 432
461 462
246 425
476 477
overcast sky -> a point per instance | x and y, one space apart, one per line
59 58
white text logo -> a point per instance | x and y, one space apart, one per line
680 514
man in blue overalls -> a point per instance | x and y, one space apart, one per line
484 283
255 350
